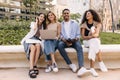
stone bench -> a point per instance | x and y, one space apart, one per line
13 56
20 48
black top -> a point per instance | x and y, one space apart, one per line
89 26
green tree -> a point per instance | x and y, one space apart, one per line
76 17
31 5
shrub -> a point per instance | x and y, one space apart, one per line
11 31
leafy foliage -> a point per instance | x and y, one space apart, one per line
76 17
110 38
29 2
11 32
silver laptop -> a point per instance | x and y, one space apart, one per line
48 34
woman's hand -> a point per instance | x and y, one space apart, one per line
56 38
68 43
37 20
97 31
36 23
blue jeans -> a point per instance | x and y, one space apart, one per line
47 56
77 46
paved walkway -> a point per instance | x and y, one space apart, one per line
63 74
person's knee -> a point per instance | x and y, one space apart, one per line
38 46
60 44
99 54
32 48
78 46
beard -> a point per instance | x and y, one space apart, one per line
66 18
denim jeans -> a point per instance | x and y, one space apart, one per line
48 57
77 46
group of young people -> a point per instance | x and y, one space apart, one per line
68 35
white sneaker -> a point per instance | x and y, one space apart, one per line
82 71
103 67
48 68
73 67
94 73
54 67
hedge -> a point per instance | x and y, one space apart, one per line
11 33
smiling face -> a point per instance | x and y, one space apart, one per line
89 15
41 18
51 17
66 15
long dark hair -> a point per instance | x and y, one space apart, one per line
44 22
48 18
95 15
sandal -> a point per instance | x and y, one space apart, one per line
36 70
32 73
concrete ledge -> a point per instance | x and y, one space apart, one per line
20 48
13 56
11 49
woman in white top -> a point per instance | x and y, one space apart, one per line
51 44
90 30
32 44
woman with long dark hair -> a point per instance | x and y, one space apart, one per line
32 44
90 30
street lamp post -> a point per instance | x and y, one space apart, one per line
113 25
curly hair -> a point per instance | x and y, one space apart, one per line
95 15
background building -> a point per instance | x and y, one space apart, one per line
23 8
59 6
103 7
75 6
9 6
116 12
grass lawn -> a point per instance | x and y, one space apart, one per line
110 38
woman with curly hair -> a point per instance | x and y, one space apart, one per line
90 30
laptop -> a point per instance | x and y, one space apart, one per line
48 34
32 41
